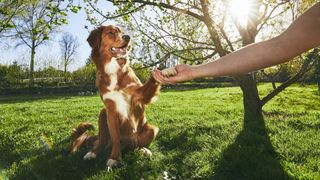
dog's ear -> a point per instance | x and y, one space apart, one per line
94 38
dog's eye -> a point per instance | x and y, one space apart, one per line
110 34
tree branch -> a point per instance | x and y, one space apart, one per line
284 85
116 16
210 25
176 51
266 18
163 5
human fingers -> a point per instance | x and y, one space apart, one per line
158 76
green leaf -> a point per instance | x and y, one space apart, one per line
75 9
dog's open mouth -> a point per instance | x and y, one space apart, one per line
120 50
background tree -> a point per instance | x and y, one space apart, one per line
318 74
316 55
69 46
37 25
9 10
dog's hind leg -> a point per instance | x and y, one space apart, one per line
146 136
103 137
80 137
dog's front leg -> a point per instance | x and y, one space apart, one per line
114 130
149 90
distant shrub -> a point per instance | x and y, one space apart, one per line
85 75
12 75
142 72
3 73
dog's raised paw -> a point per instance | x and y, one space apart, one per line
145 151
111 163
169 72
90 155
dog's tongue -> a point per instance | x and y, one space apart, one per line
118 50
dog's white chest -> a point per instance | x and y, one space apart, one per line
112 68
121 100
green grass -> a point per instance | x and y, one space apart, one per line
202 136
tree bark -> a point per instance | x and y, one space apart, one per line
31 72
65 66
319 83
65 70
248 85
318 74
251 100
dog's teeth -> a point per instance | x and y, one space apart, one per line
113 49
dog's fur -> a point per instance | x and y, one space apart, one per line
122 123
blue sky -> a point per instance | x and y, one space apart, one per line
49 54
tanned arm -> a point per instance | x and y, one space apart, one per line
302 35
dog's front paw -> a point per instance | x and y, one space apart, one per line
146 151
111 163
90 155
169 72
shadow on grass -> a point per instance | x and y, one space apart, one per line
179 151
186 150
57 164
251 156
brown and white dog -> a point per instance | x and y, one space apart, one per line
122 123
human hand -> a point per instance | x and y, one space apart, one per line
183 73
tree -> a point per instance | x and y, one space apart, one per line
9 10
197 30
316 55
34 28
318 74
69 46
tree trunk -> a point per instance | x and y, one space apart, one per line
248 85
318 74
65 67
318 83
31 75
65 70
251 100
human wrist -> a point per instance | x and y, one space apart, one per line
196 72
205 70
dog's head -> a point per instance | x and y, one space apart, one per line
111 40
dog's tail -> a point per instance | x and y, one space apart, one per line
80 136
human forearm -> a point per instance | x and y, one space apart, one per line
301 35
249 58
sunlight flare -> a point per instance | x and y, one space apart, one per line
240 10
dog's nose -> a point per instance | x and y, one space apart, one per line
126 37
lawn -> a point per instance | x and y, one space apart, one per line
202 136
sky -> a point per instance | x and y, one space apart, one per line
49 54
